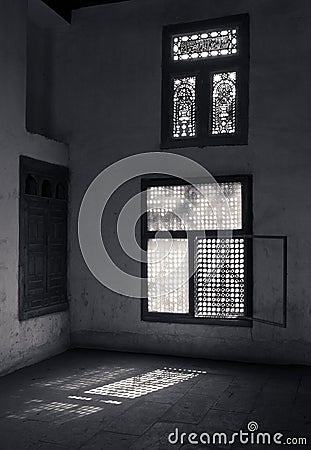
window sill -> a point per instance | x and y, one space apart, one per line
184 319
207 142
43 311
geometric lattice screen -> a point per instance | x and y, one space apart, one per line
208 206
204 45
168 274
220 277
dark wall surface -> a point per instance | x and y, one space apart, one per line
21 343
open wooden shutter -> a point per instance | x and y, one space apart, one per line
263 320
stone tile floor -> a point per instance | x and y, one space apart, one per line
87 399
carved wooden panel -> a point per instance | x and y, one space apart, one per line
43 238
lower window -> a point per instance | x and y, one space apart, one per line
198 264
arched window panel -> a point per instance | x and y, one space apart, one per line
206 44
224 101
31 186
60 191
46 190
184 107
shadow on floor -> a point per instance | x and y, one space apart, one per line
85 399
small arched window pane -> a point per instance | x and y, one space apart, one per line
46 189
31 187
60 191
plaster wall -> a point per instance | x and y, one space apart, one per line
112 58
22 343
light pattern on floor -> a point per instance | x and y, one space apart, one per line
144 384
126 388
186 370
63 411
78 397
84 379
111 402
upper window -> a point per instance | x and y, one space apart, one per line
205 83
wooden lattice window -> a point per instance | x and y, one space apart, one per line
205 71
43 238
198 274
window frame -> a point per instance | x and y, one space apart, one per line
203 69
244 232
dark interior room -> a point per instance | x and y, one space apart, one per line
155 246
